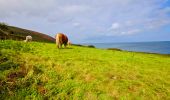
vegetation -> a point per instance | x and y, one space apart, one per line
41 71
15 33
3 26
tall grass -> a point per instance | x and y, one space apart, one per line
41 71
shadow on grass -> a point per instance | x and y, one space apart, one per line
64 48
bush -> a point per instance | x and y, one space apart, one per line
116 49
3 26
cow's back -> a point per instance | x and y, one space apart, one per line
28 38
64 39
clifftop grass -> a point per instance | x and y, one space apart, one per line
41 71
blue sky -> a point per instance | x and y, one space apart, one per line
92 20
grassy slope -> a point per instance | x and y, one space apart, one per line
40 70
17 33
36 35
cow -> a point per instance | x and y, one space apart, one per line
28 38
61 39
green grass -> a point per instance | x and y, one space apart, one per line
41 71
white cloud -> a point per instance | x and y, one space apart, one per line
114 26
73 9
76 24
96 16
26 7
157 23
130 32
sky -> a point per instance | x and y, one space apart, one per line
92 21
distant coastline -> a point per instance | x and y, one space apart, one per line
155 47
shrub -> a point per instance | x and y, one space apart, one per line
3 26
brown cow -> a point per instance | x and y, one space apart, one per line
61 39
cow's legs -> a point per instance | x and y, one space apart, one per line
65 44
59 45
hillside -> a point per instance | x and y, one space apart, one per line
15 33
38 71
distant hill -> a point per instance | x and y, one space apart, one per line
15 33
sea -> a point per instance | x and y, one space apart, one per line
161 47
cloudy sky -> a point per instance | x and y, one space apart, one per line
92 20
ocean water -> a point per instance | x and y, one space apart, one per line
162 47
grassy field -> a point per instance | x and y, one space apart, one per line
38 71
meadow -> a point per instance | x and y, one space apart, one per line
38 71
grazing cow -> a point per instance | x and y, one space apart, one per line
61 39
28 38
